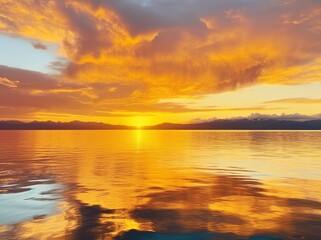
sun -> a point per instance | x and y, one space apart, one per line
139 122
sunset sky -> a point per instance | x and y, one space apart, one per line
143 62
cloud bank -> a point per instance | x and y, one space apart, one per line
142 51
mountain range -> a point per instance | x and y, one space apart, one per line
222 124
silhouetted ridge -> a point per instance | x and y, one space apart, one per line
227 124
244 124
50 125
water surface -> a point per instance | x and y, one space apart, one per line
174 185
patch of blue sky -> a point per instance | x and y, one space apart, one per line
20 53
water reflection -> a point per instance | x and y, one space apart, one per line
35 199
230 205
164 184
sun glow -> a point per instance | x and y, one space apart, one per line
139 122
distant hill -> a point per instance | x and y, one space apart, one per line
50 125
226 124
244 124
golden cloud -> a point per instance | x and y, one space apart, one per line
167 49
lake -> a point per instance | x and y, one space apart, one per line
175 185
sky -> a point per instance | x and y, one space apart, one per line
143 62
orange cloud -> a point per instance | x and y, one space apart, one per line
152 50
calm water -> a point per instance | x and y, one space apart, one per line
175 185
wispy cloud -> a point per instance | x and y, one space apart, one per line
8 83
297 101
39 45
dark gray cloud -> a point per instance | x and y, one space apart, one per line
59 65
147 15
39 45
84 25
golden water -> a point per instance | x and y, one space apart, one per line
100 184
